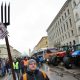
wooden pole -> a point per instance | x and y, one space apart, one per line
6 38
10 57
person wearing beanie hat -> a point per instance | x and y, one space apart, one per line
31 60
33 73
32 66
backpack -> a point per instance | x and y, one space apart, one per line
25 75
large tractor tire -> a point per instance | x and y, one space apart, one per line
55 61
67 63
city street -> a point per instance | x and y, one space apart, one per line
40 34
56 73
60 73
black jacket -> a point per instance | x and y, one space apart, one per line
36 75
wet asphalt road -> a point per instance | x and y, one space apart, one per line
55 73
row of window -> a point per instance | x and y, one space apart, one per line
77 17
71 43
64 27
63 17
75 3
66 36
59 31
66 14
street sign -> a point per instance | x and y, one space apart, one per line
3 31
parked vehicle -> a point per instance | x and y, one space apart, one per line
76 57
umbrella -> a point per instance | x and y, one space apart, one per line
76 53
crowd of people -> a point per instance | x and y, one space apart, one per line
25 68
4 67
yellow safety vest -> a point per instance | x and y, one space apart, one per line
16 65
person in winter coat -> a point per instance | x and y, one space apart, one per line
33 73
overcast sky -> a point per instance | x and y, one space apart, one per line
29 21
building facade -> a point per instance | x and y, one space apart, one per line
16 53
4 53
76 12
43 43
63 31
